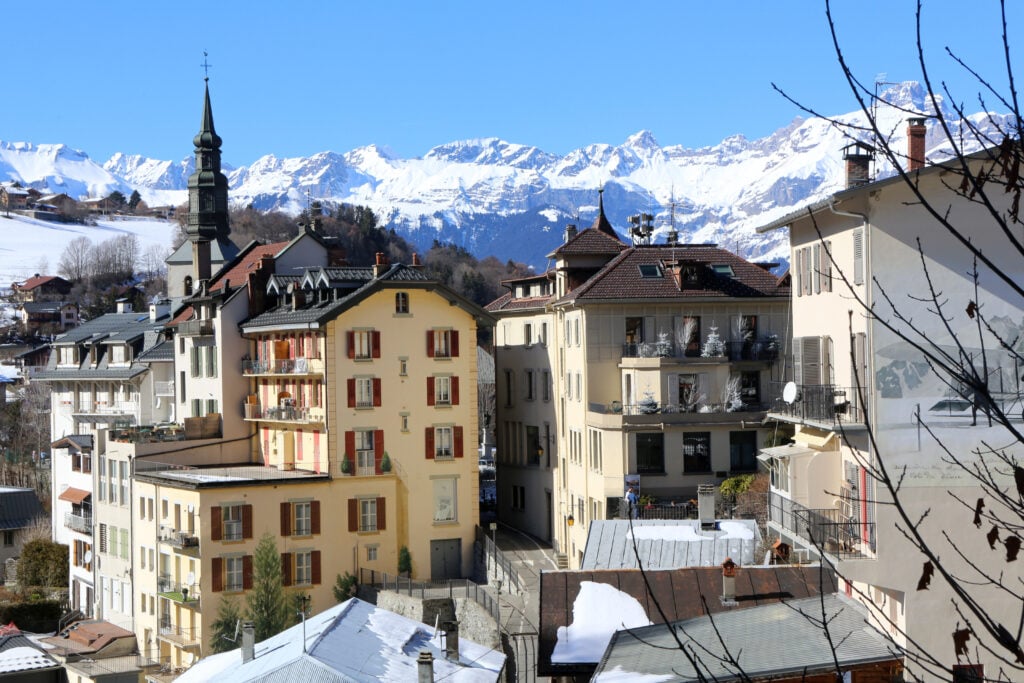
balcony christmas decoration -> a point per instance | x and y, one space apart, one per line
648 405
385 463
714 347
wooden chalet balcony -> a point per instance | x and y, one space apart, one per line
288 366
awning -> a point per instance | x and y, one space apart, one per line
74 496
776 452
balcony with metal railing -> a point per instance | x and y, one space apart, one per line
826 404
195 328
80 523
307 365
179 540
164 388
186 595
764 350
182 636
295 414
839 535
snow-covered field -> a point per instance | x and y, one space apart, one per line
29 246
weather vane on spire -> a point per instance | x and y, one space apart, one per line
206 66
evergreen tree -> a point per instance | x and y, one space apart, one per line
226 627
117 198
134 200
266 602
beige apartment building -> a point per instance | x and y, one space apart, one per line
653 362
863 397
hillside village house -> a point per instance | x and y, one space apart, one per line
41 288
46 317
604 370
850 372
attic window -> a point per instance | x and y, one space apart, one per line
723 269
650 270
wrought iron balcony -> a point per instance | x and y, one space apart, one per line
825 403
743 350
186 595
299 414
311 365
182 540
827 530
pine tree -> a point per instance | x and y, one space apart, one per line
134 200
713 346
267 606
226 627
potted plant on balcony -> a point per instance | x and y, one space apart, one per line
346 464
648 405
385 463
714 347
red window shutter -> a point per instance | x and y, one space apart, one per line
455 343
286 519
218 574
350 338
375 344
216 521
430 391
353 514
430 442
430 343
314 516
350 445
455 391
247 572
351 382
315 557
381 516
247 521
458 441
376 392
378 450
286 569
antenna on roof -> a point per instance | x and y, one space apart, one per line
673 234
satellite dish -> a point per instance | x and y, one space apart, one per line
789 392
88 556
191 578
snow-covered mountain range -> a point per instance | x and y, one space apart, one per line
512 200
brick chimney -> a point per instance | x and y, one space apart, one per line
915 143
728 580
381 264
858 156
416 263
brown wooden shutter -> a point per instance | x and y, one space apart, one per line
458 441
455 391
350 445
247 521
376 392
286 519
378 450
351 382
353 514
381 516
247 572
430 343
350 338
286 569
430 391
314 517
216 523
375 343
315 557
218 574
455 343
429 440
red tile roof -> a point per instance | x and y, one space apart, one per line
591 241
36 281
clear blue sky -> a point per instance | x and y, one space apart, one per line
298 77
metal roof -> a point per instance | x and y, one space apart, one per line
669 543
766 641
19 507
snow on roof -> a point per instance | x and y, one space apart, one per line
24 658
597 613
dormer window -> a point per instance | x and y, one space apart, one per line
68 355
119 353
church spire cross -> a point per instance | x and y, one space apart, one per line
206 66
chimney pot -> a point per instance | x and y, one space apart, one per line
248 641
916 131
425 667
858 156
416 260
451 641
570 232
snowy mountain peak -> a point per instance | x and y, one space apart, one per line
642 141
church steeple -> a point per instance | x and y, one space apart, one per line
207 186
601 223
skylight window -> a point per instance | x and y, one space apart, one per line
723 269
650 270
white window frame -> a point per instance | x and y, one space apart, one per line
302 514
303 575
443 390
362 344
446 499
442 343
233 574
231 523
367 514
364 392
444 446
365 453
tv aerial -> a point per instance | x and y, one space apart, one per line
642 228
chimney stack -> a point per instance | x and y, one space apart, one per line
416 263
425 667
728 580
451 641
381 265
248 641
706 506
915 143
570 232
858 156
124 306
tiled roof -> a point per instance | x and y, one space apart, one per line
19 653
37 280
621 278
682 593
162 352
590 241
19 507
44 306
238 272
506 303
771 639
